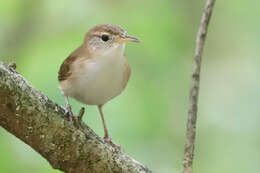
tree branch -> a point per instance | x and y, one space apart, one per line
42 124
194 89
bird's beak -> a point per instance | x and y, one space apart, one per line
127 38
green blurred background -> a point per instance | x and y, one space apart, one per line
148 119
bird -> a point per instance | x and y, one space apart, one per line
97 71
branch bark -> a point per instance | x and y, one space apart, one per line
42 124
194 89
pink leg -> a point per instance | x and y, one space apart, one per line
107 138
68 108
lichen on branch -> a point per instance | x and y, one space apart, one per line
42 124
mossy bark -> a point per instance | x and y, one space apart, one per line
42 124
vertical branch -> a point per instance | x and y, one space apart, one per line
194 89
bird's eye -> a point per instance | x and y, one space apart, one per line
105 37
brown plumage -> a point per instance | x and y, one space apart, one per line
65 68
64 71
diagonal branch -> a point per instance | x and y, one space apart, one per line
42 124
194 89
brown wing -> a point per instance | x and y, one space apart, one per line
65 70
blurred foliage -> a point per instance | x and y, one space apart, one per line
149 118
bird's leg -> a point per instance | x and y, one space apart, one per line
107 138
68 108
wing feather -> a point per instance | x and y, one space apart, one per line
65 68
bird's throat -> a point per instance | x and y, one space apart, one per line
113 51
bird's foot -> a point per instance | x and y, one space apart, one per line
108 139
70 113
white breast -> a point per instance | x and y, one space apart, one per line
97 81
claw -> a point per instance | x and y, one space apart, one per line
70 114
108 139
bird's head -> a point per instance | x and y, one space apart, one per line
107 39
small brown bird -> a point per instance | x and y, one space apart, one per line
97 71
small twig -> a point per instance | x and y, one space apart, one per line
12 66
194 89
78 119
81 113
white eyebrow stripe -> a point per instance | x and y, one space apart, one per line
101 33
104 33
